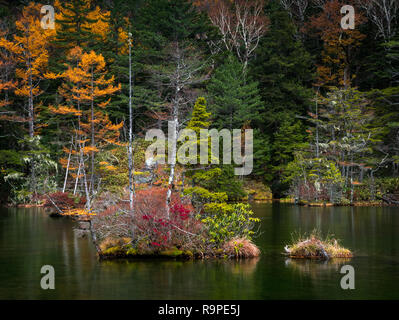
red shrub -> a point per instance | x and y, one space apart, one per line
153 228
153 224
65 201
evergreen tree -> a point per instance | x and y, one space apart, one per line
233 100
214 178
73 24
199 117
173 20
283 68
289 138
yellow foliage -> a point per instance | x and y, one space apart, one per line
78 212
90 149
65 110
101 25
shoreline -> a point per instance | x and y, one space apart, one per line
288 201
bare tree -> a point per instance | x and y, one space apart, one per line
319 3
296 9
130 146
383 14
183 71
241 24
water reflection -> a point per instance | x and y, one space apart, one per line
314 268
29 239
242 267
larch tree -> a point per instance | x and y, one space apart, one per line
339 45
86 90
29 50
7 82
94 87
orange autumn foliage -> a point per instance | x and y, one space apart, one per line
339 45
98 23
28 51
87 91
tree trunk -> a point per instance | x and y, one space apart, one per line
92 132
31 126
67 168
130 147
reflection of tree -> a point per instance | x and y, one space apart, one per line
197 279
316 269
243 267
236 267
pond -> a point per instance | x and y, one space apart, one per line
30 239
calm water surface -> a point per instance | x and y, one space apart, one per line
30 239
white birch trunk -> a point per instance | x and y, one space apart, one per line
67 168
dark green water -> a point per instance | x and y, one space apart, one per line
30 239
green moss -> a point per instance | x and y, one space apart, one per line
173 252
131 252
113 251
188 253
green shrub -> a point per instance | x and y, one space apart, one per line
227 221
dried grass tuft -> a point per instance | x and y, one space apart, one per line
113 242
241 248
313 247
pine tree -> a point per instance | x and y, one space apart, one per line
214 178
284 70
174 20
289 138
233 100
199 117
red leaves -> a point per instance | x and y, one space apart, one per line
66 201
181 211
153 227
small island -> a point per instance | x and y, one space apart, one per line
314 247
195 224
